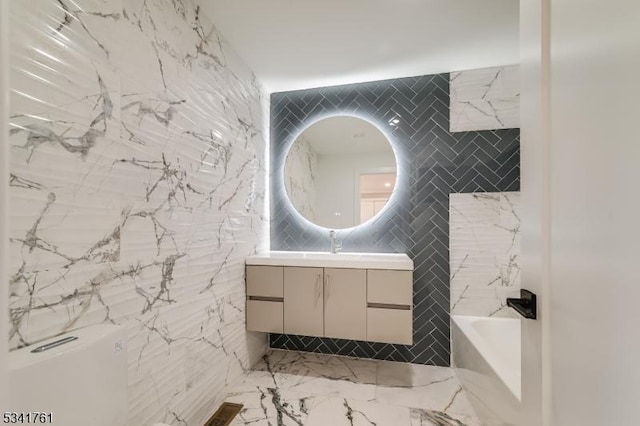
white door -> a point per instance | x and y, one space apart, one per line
581 233
534 147
367 210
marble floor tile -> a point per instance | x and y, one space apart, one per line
319 365
419 417
343 412
318 374
421 386
292 388
271 406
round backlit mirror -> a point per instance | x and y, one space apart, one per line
340 172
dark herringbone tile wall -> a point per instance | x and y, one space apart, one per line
433 164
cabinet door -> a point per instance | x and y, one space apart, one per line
345 303
303 302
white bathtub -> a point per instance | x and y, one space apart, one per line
486 357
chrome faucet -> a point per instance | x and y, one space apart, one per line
335 245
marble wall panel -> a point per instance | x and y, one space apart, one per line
484 252
485 99
301 172
138 147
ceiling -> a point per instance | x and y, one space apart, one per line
344 135
298 44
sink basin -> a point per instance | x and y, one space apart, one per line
395 261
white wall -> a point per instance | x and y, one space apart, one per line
336 186
4 171
595 206
580 174
138 161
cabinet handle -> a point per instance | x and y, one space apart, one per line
327 289
318 288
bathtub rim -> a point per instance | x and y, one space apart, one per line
511 379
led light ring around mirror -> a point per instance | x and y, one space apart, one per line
387 206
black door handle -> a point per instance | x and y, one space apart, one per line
526 305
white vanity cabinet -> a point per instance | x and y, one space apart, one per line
343 296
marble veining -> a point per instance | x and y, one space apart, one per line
137 190
485 99
300 181
292 388
484 252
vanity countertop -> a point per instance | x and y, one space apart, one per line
391 261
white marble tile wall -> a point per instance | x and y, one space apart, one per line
485 99
301 171
484 252
137 189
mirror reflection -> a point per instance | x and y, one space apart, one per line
340 172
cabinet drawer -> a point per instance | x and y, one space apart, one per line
390 326
390 287
265 316
265 281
